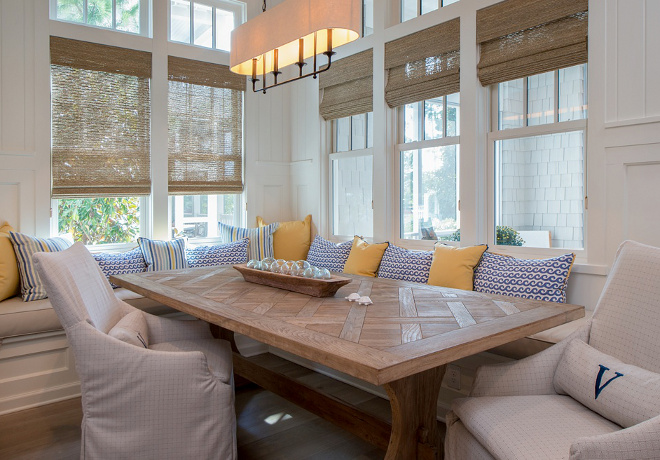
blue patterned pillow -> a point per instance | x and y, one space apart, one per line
539 279
326 254
163 255
261 238
405 265
220 254
121 263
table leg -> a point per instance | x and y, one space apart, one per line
414 402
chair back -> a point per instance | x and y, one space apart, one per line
626 320
77 289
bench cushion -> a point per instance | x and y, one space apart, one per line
19 318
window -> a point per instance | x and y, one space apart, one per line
197 216
205 152
99 220
352 175
428 161
100 118
412 8
204 23
367 17
538 139
124 15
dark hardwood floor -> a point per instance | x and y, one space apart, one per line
269 427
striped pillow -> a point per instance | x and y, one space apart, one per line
219 254
163 255
261 238
25 246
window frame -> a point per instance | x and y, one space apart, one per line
333 155
237 7
496 134
145 18
401 146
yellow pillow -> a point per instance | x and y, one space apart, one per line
454 267
9 281
292 239
364 258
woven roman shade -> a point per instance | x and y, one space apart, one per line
423 65
205 150
520 38
101 110
348 86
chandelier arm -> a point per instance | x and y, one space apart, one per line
311 74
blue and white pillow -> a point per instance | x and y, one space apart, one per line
120 263
261 238
326 254
163 255
220 254
538 279
405 265
25 246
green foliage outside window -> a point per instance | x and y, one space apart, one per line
99 13
100 220
506 236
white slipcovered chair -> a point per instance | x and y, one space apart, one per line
522 410
172 400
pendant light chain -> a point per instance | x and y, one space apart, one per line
263 8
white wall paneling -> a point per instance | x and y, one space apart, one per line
633 38
36 370
633 194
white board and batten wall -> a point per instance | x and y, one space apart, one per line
287 143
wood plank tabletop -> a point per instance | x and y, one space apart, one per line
409 328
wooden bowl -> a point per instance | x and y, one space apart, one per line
309 286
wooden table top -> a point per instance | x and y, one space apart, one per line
408 329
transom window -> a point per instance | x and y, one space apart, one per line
125 15
204 23
538 159
351 164
428 163
412 8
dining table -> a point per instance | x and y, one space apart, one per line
402 341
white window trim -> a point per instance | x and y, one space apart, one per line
145 18
495 134
402 146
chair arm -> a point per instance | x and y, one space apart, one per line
170 330
639 442
119 364
529 376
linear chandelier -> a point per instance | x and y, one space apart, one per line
290 33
